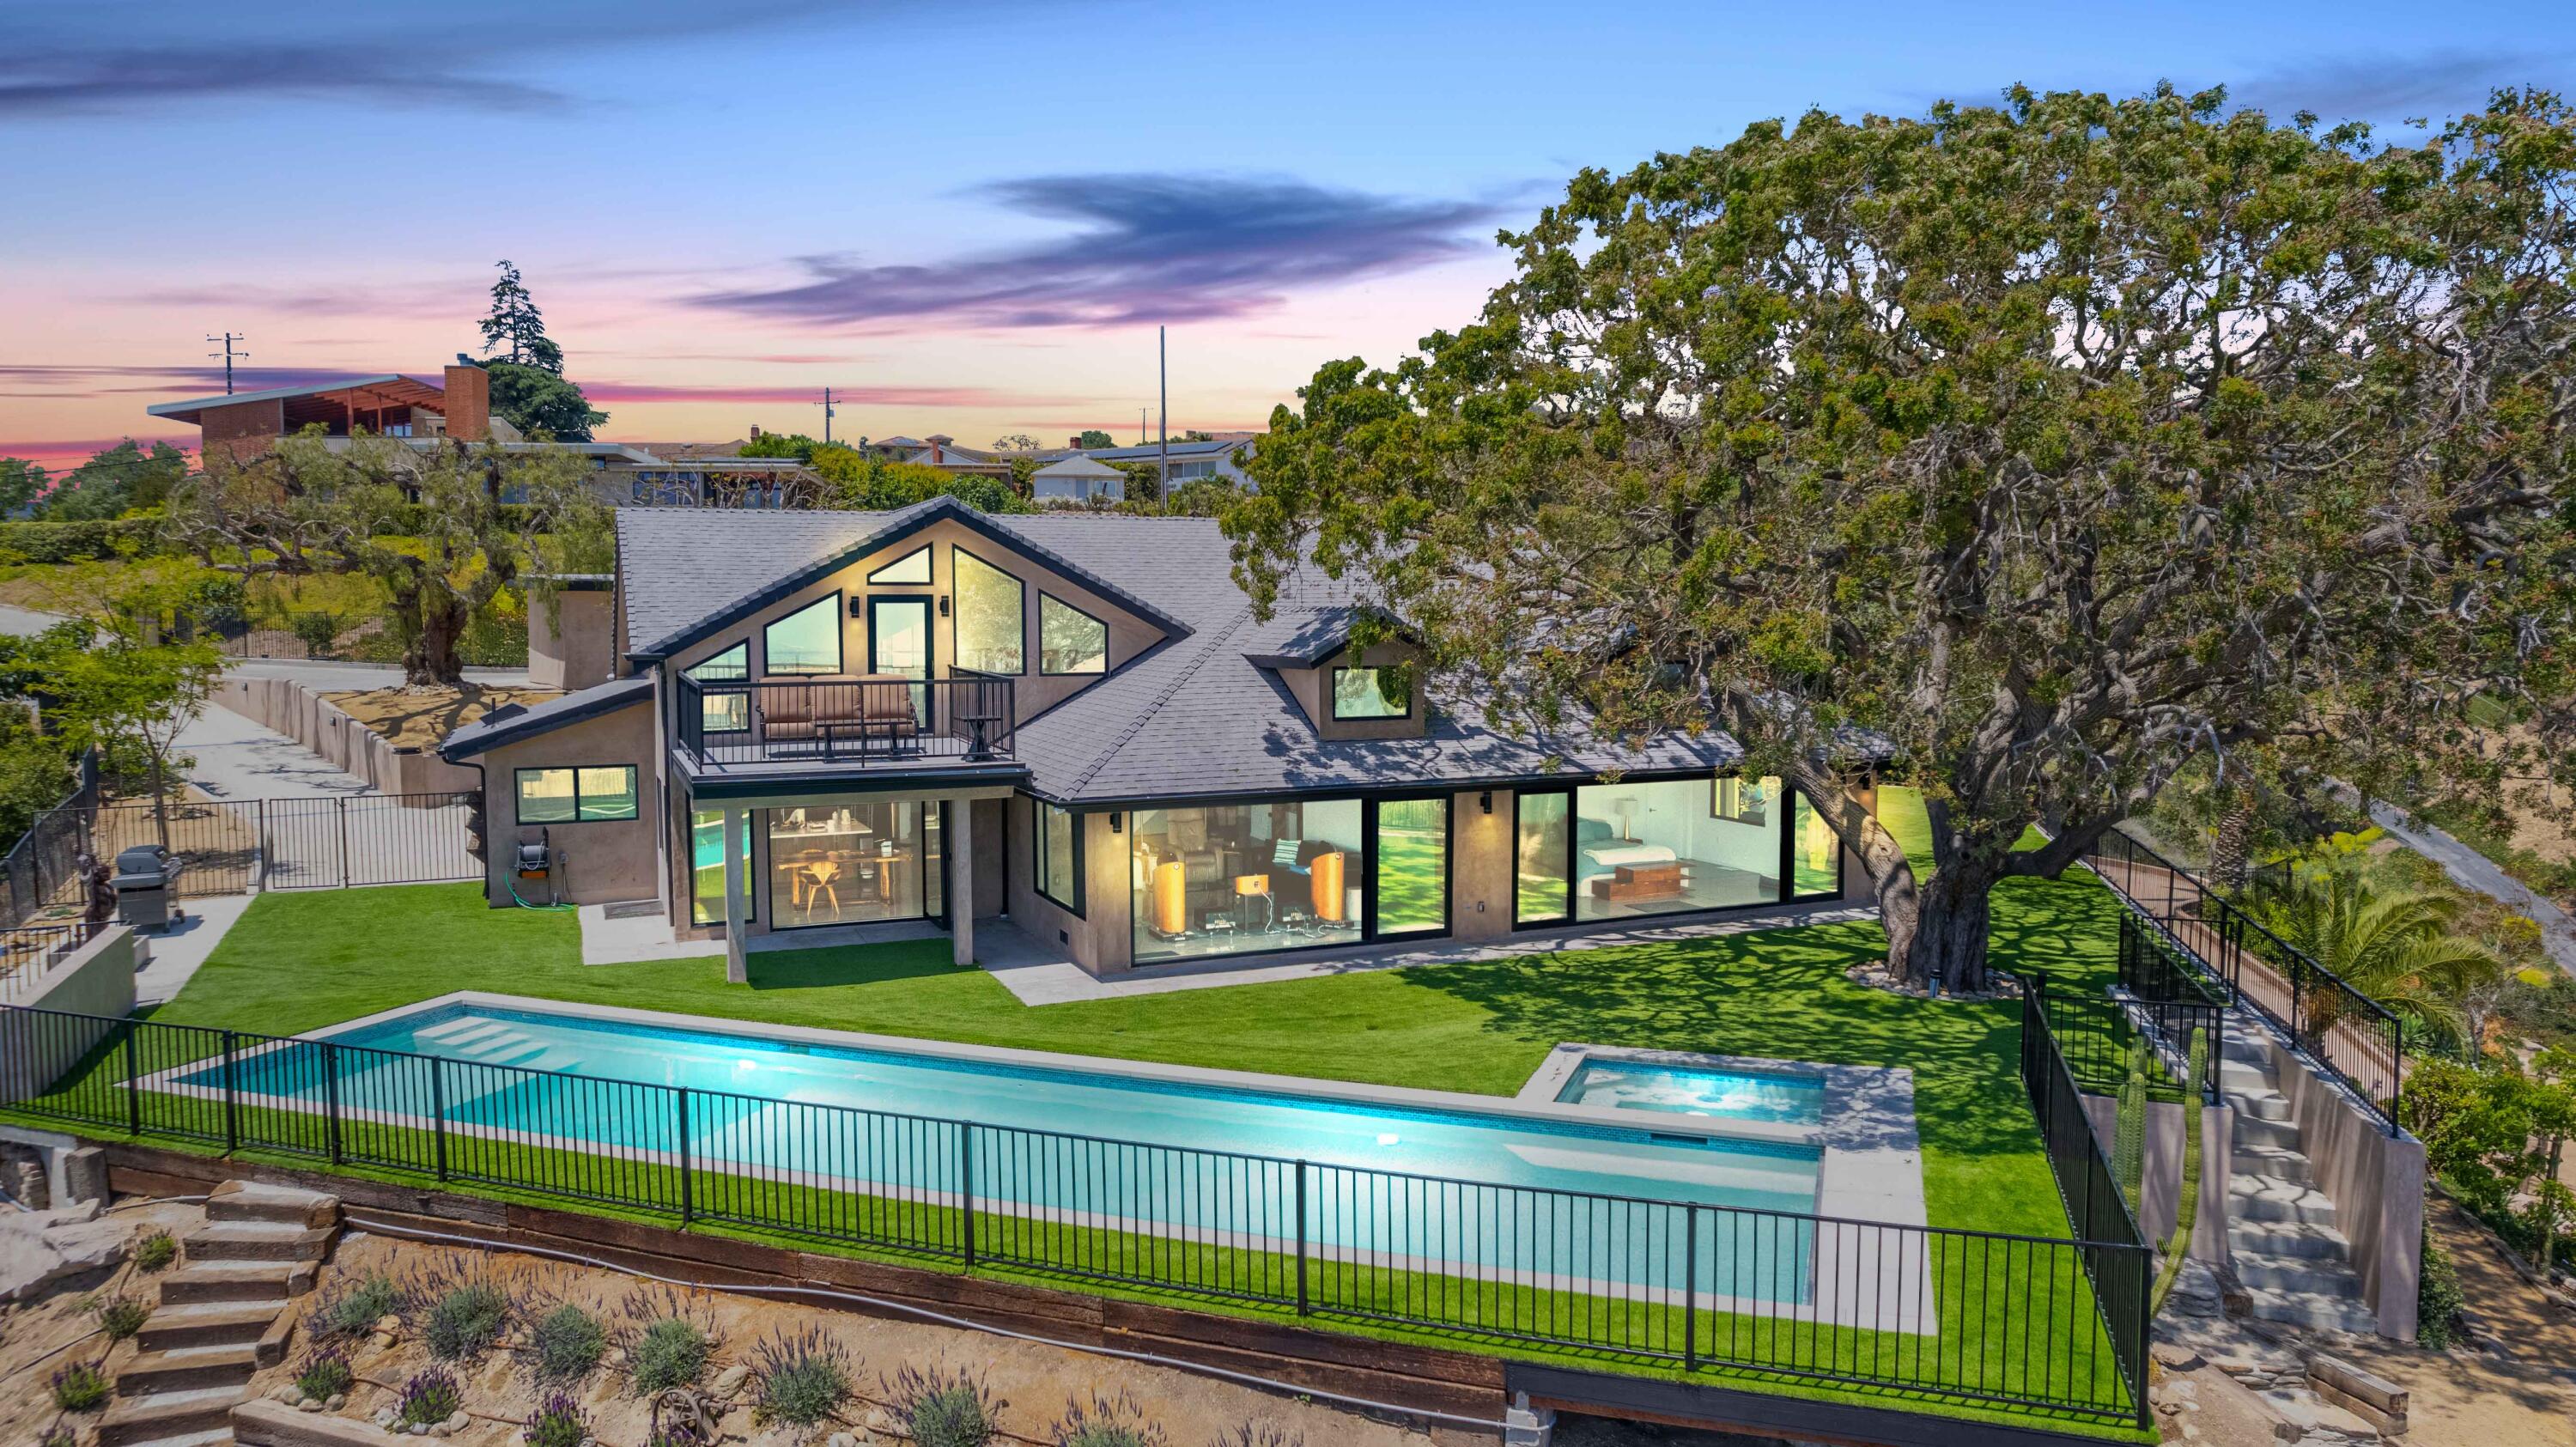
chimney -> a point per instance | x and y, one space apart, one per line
469 404
1074 442
755 432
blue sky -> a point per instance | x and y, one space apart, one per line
970 215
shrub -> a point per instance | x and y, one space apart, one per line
672 1352
351 1308
557 1422
799 1380
939 1408
1258 1434
89 540
1107 1422
569 1343
430 1398
317 629
80 1387
2438 1298
325 1374
156 1251
121 1317
465 1322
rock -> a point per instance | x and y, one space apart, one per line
381 1341
384 1416
338 1400
307 1404
38 1248
286 1394
389 1324
730 1380
613 1358
2174 1356
841 1439
880 1421
458 1422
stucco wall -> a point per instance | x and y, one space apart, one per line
1310 687
1098 937
2376 1181
322 726
608 860
1480 873
96 979
2162 1185
570 642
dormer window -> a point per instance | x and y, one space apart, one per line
1371 693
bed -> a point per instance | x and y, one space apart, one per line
1598 850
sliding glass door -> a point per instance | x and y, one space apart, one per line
1409 855
1668 846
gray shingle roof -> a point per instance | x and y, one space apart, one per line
497 728
1193 716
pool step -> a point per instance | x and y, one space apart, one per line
257 1241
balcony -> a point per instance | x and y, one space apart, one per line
858 723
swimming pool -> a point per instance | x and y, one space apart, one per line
1512 1187
1683 1090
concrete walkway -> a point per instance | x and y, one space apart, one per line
2471 870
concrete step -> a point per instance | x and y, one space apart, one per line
2260 1104
2267 1198
2237 1075
165 1415
208 1323
2242 1048
2312 1275
2288 1238
2273 1161
270 1281
2322 1313
2254 1130
185 1368
276 1205
257 1241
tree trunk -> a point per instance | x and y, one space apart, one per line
432 657
160 801
1949 943
2231 854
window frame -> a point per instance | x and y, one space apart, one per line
1044 598
519 794
878 578
691 673
1333 695
751 891
1373 929
1038 857
957 612
832 602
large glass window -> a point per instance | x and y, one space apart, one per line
706 866
1538 852
1234 878
725 713
912 567
989 630
1057 867
1070 640
1412 865
1362 693
576 795
1656 848
1815 855
807 640
853 863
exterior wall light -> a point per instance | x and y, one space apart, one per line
1485 801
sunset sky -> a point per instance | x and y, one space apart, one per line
968 217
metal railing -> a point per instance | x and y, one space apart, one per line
233 846
1928 1313
46 859
844 720
27 951
2116 1253
2097 1035
2346 1033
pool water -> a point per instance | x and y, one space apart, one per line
752 1099
1683 1090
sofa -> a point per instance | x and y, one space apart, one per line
787 711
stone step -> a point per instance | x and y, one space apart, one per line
184 1368
210 1437
2254 1130
2266 1198
257 1241
2260 1104
277 1205
2313 1275
270 1281
2299 1308
158 1418
208 1323
2288 1238
2273 1161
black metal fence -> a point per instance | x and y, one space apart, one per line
46 859
234 846
2116 1252
2346 1033
1958 1316
2097 1037
843 719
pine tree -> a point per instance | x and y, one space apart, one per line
517 327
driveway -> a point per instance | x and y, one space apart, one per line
2471 870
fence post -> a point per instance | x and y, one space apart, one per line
1690 1287
966 1186
133 1082
688 1193
438 1111
331 1098
232 1100
263 844
1302 1306
343 802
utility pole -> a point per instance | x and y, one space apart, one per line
1163 457
827 416
1141 432
228 354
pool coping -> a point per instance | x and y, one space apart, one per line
1336 1092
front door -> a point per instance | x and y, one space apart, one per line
899 645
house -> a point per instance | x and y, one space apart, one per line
1070 726
1190 461
1078 479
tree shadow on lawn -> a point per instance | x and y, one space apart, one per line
839 965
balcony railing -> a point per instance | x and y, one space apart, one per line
863 722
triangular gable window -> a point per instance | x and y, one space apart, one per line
913 567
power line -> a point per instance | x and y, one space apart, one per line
228 354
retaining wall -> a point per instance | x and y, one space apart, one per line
2376 1181
96 979
324 727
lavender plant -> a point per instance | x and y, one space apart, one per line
944 1408
557 1422
799 1380
430 1397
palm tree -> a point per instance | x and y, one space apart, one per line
2399 949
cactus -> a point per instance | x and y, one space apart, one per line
2129 1137
2186 1205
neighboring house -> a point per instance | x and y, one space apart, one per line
1078 479
1190 461
1073 721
